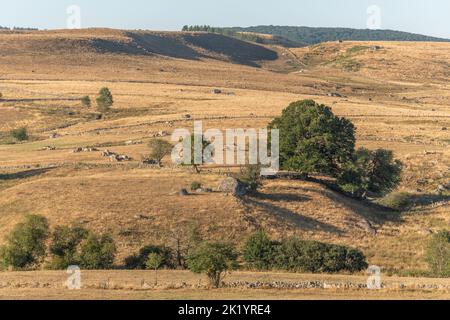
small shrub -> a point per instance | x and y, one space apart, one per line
213 259
104 100
154 262
65 246
25 247
250 177
97 252
139 261
86 102
196 186
438 254
20 134
259 251
400 201
160 149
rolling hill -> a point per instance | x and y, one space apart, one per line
396 93
310 35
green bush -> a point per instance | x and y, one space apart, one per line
86 102
104 100
213 259
375 171
97 252
65 246
259 251
25 247
299 255
438 254
139 261
400 201
20 134
196 185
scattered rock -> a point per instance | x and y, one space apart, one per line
116 157
54 136
160 134
335 94
132 143
375 48
79 150
204 190
232 186
48 148
150 162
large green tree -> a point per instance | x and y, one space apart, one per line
313 139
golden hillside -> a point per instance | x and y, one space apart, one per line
395 93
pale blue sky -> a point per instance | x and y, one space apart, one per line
430 17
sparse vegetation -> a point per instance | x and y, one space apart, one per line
400 201
25 247
104 100
438 253
213 259
195 186
250 176
154 262
20 134
86 102
160 148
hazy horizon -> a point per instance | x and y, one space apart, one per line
412 16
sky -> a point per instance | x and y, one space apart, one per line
429 17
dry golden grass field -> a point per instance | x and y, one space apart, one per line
396 93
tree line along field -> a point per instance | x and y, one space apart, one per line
392 100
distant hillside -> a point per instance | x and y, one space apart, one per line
180 45
317 35
261 38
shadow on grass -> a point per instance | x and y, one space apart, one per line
286 197
429 199
289 215
24 174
